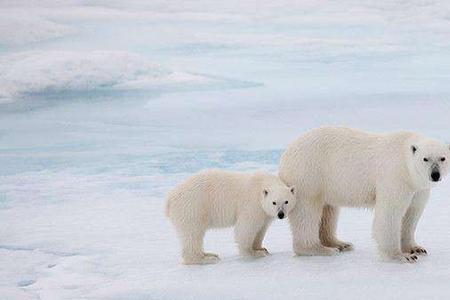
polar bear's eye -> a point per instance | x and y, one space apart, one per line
286 202
425 159
442 158
274 203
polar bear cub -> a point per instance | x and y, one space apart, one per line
218 199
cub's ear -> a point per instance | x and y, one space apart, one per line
265 192
413 149
293 190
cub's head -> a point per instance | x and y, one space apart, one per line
278 200
428 161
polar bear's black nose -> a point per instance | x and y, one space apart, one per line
435 176
281 215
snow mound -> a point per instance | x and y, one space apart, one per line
38 72
22 28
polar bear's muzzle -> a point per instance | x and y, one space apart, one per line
435 173
280 214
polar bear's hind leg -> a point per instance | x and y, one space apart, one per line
328 229
192 252
305 222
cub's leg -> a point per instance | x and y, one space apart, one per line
246 231
305 221
257 243
328 228
390 208
410 221
192 247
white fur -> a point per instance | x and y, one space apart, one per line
336 167
217 199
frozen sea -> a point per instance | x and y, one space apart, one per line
106 105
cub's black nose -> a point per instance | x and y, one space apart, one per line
435 176
281 215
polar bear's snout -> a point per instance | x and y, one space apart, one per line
435 173
428 162
281 213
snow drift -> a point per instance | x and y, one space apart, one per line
20 28
51 72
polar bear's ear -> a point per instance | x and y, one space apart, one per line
293 190
413 149
265 192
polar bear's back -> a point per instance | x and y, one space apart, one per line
340 164
210 197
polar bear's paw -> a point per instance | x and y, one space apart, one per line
341 246
407 258
260 252
418 250
316 251
211 254
255 253
201 259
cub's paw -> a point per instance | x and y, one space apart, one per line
318 250
255 253
201 259
210 259
262 249
418 250
211 254
341 246
259 253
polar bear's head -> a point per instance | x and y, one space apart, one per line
428 162
278 200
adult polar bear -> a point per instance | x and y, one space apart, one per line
334 166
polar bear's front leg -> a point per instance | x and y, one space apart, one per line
328 227
410 221
257 243
390 208
305 221
246 231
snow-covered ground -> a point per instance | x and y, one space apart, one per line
106 105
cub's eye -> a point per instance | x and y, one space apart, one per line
286 202
425 159
442 158
274 203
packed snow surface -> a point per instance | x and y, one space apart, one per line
106 105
